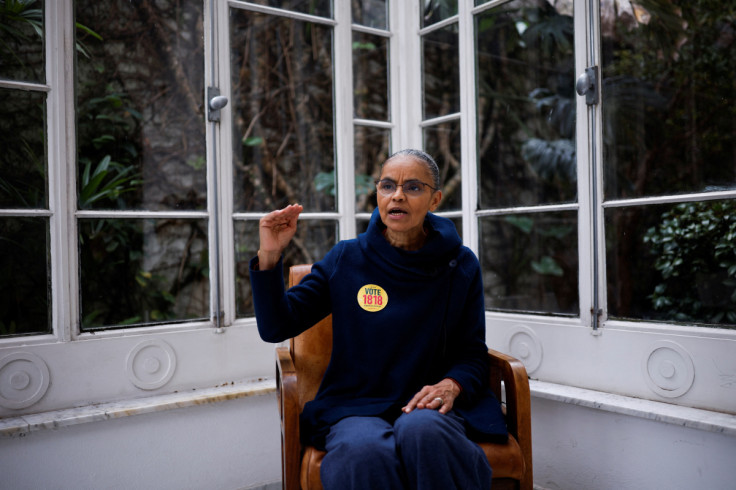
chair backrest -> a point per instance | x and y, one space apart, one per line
311 350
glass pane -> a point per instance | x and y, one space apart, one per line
436 10
21 41
370 76
440 65
142 272
283 141
530 262
673 263
371 13
526 106
312 241
140 106
25 289
321 8
668 98
443 143
372 146
23 155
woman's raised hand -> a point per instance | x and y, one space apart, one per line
276 230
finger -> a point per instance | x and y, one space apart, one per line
430 400
412 403
446 407
291 211
288 213
425 400
436 403
416 401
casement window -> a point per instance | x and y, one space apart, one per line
143 141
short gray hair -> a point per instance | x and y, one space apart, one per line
423 157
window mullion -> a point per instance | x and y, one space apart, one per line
61 154
406 76
344 132
219 142
468 129
590 215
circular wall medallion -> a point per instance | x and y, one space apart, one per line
524 345
151 364
668 369
24 379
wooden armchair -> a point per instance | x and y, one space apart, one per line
299 370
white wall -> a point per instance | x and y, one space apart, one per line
583 448
226 445
235 444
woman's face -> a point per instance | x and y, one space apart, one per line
403 214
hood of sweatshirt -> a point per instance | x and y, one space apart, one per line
436 256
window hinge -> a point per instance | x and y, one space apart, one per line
587 85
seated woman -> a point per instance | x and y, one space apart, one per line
407 382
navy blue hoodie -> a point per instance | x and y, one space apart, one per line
400 320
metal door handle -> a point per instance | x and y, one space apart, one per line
587 85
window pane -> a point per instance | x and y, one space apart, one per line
371 13
526 106
282 109
25 288
673 263
361 225
312 241
140 106
23 155
443 143
437 10
668 98
372 146
21 41
136 271
440 65
370 76
530 262
321 8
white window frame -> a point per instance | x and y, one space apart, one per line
619 357
683 365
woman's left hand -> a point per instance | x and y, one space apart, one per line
436 397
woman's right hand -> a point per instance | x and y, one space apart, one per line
276 230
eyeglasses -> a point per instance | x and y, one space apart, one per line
411 188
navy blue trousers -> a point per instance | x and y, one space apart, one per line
422 450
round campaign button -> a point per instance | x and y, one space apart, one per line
372 298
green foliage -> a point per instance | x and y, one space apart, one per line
695 249
325 182
546 265
16 15
365 46
109 157
107 182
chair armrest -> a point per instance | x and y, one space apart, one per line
288 401
518 402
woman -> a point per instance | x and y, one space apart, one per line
407 381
